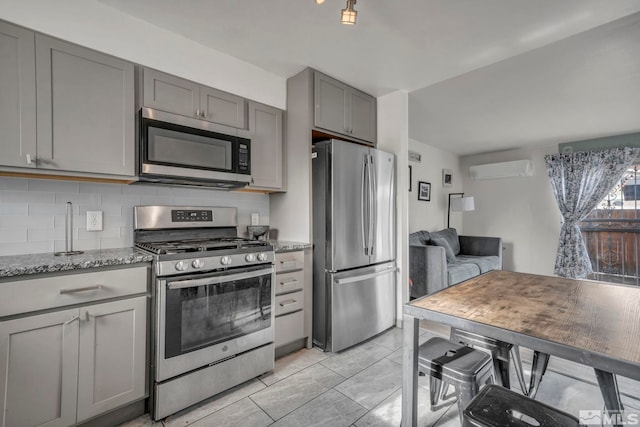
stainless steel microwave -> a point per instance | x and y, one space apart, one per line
182 150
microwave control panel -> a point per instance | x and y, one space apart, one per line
243 158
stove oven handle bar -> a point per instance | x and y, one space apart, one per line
191 283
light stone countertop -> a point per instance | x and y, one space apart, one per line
23 265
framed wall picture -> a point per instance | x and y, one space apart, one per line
424 191
447 178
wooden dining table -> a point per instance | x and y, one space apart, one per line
593 323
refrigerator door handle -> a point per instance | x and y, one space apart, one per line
362 207
373 216
362 277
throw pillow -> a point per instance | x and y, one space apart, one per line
451 236
441 241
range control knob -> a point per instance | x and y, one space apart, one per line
250 258
262 257
197 263
181 266
225 260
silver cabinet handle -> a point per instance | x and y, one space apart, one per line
289 283
289 264
70 321
32 160
84 289
198 112
287 302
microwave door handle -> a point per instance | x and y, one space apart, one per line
192 283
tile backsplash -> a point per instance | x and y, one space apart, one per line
32 211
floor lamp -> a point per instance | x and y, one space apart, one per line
459 204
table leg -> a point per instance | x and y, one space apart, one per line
538 368
410 372
610 393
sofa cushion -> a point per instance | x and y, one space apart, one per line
460 271
419 238
448 239
484 263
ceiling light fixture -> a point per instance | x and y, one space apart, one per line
319 1
349 14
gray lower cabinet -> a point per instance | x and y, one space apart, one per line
63 367
343 109
173 94
39 369
18 96
293 301
265 129
85 107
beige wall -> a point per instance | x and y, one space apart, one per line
432 215
521 210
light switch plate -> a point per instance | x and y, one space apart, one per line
255 218
94 220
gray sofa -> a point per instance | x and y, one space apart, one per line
440 259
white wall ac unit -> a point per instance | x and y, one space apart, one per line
501 170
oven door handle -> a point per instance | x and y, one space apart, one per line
191 283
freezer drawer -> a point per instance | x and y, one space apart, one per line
362 305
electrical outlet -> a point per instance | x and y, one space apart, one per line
255 218
94 220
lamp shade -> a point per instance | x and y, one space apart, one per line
463 204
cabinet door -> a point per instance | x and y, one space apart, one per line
169 93
112 355
18 96
330 104
362 116
223 108
39 369
265 127
85 103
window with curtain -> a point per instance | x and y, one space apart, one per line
612 232
579 181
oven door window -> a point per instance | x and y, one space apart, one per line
204 315
178 148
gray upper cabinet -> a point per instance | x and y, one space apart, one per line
342 109
85 109
18 99
169 93
180 96
265 128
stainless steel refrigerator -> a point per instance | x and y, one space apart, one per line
353 243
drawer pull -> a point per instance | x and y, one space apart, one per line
289 264
287 302
289 283
85 289
70 321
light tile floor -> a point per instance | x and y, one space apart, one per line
360 387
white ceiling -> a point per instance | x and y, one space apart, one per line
483 75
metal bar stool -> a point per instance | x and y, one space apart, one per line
497 406
463 367
501 354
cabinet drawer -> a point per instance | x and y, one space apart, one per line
289 302
289 261
23 296
289 282
289 328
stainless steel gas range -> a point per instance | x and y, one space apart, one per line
213 303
